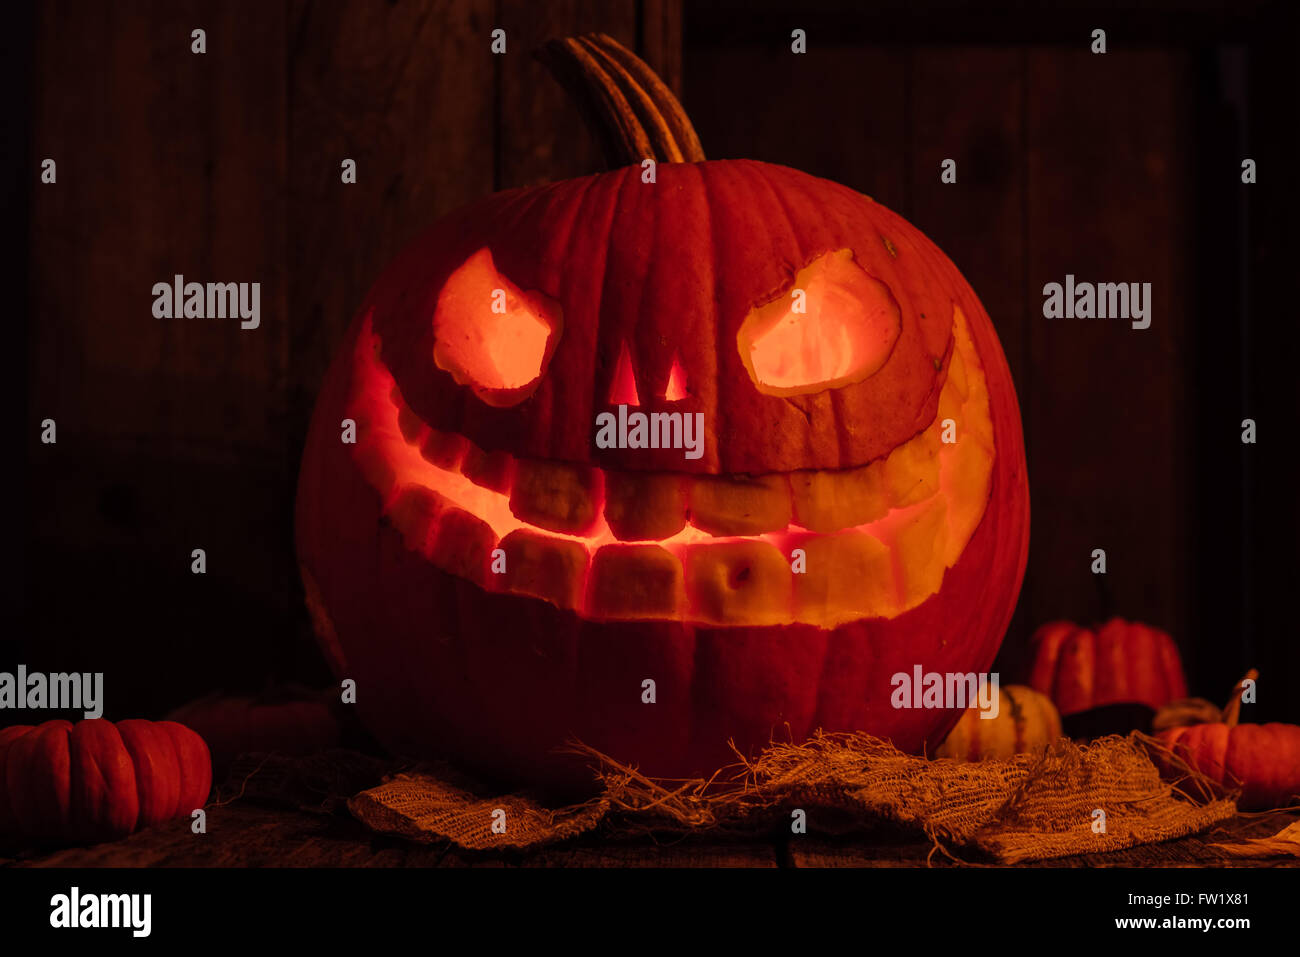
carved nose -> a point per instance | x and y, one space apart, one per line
623 390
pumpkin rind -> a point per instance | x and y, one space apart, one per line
102 778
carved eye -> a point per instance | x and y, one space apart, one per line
834 326
492 336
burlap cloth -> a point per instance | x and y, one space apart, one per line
1028 807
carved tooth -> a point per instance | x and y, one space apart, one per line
830 500
738 583
968 469
375 467
645 506
546 567
491 470
374 438
976 415
950 407
635 581
556 495
848 576
911 472
445 449
415 513
723 505
957 373
919 540
463 546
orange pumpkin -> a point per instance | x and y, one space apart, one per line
501 563
1262 760
96 780
1026 721
1121 662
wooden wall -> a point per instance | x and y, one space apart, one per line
1115 167
174 435
225 166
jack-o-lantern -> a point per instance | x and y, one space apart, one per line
659 462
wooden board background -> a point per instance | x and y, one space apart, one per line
250 834
176 435
226 167
1122 167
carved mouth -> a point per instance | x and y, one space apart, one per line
816 547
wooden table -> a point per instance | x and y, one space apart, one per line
250 834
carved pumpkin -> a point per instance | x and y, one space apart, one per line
1262 760
648 601
1026 721
1120 663
96 780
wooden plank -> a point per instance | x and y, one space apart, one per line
168 162
405 90
661 40
1107 201
1268 512
695 853
835 111
542 137
171 432
934 22
901 851
245 834
813 851
18 166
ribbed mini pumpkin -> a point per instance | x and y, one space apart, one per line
96 780
1026 721
1120 662
498 579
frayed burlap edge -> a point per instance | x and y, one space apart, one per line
422 807
1068 799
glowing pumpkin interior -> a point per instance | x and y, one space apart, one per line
492 336
708 549
835 326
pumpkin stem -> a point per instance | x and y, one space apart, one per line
630 109
1232 711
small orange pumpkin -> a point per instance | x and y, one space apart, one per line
1026 721
96 780
1121 662
1263 760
